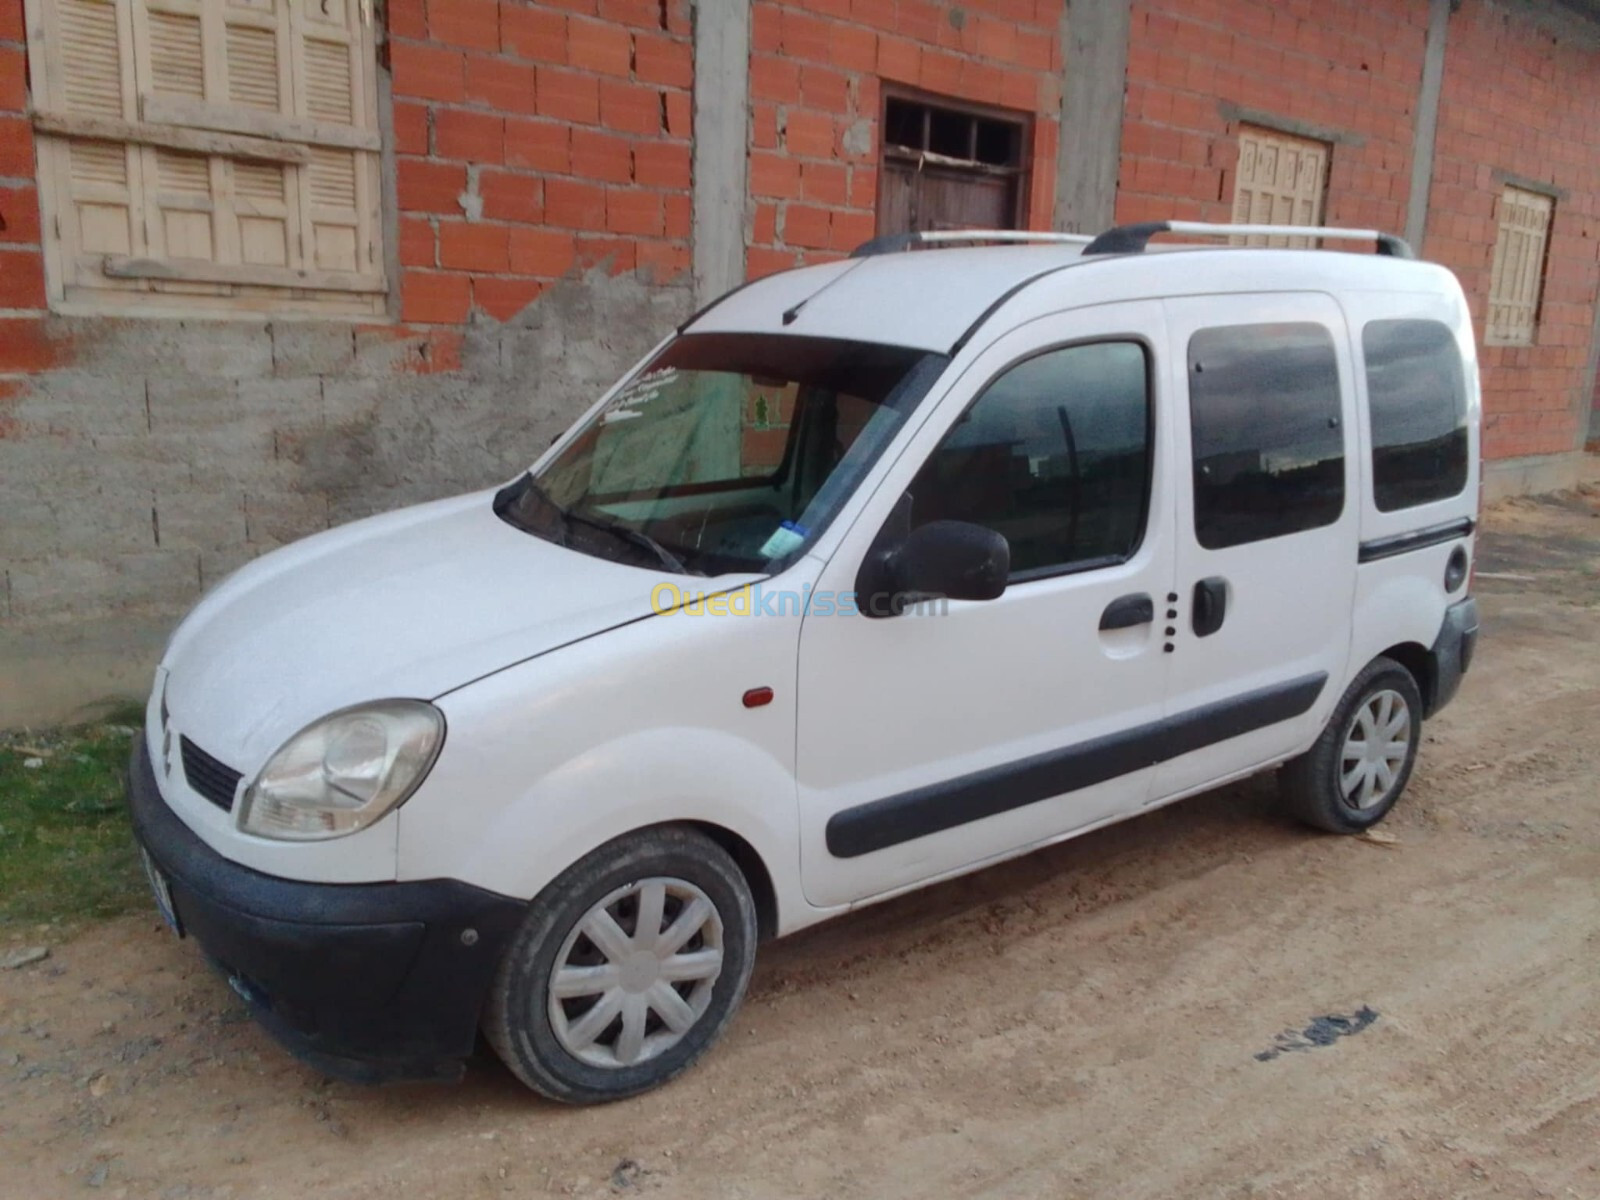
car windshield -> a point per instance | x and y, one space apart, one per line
728 452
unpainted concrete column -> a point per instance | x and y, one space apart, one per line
1589 400
1094 41
1427 124
721 139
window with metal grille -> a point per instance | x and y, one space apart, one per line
1280 180
1517 279
947 167
207 156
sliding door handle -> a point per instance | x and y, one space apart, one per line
1128 611
1210 606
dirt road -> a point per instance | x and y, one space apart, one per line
1134 1014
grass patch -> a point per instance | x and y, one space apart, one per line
66 849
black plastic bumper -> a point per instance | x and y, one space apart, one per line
367 982
1452 652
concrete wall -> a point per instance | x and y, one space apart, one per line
154 457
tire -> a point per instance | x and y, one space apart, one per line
1316 787
649 1038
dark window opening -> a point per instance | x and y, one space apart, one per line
1417 394
948 167
1054 455
1268 440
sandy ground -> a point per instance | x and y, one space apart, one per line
1095 1020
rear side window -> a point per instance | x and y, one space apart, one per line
1055 455
1268 445
1417 391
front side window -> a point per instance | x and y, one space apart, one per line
1417 393
1268 443
1054 455
729 452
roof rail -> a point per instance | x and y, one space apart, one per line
893 243
1132 239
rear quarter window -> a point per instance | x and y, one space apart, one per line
1268 444
1417 395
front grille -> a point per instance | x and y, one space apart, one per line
214 780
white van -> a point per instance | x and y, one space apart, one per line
872 574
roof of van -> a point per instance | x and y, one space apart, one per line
933 299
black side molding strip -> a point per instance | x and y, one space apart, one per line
1417 539
936 807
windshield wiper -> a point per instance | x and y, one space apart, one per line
632 536
522 504
519 504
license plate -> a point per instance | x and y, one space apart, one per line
161 891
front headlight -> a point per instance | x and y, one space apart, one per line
342 773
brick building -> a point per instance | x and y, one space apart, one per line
269 265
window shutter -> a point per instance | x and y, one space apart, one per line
1280 181
88 74
1517 276
335 87
228 160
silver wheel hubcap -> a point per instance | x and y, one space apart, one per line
1375 748
636 973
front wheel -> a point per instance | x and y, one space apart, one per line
1351 777
626 969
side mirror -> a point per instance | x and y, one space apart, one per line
953 559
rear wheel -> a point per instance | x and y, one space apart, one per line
1350 779
626 968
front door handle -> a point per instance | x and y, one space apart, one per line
1210 607
1128 611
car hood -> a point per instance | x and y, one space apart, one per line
413 603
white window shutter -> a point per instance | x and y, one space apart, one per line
227 161
89 188
1516 278
1281 180
335 87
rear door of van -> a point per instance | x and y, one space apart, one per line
1419 383
1268 518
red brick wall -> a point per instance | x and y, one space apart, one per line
1521 94
1523 97
816 68
1350 66
24 348
568 122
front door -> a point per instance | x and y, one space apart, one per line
1267 521
931 742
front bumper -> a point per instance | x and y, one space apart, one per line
366 982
